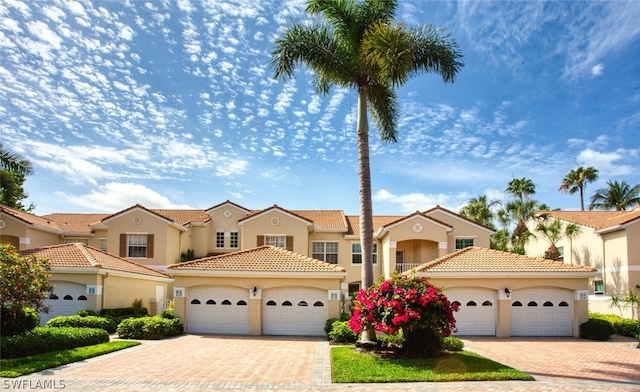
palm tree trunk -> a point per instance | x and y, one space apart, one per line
581 199
366 209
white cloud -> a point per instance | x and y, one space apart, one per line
597 69
607 162
116 196
412 202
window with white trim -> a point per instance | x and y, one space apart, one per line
233 239
103 244
561 253
325 251
220 238
137 245
279 241
76 240
462 243
356 253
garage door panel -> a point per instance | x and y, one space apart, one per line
542 311
294 311
477 312
67 299
218 310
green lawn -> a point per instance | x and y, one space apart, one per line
349 366
17 367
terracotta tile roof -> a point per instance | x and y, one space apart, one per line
183 217
476 259
261 259
274 207
75 223
596 219
228 202
439 208
379 221
31 219
82 256
324 219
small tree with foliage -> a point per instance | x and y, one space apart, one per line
409 304
24 283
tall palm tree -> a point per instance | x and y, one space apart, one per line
617 195
576 180
553 231
358 45
479 209
14 162
521 188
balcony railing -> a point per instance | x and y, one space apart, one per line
404 267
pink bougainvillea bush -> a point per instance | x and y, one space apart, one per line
409 304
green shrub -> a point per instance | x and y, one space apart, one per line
596 329
391 341
44 339
86 312
17 320
452 343
119 314
627 327
341 333
151 328
328 326
83 322
168 314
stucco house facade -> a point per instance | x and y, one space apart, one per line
609 241
232 245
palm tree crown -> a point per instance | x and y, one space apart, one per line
14 162
617 195
358 45
479 209
521 188
576 180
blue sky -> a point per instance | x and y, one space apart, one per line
172 104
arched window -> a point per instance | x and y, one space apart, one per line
532 303
287 303
271 303
318 303
563 304
242 303
226 302
303 303
82 298
456 303
548 304
517 303
487 303
68 297
472 303
195 302
53 296
211 302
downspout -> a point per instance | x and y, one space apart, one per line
604 266
104 277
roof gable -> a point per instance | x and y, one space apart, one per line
31 219
277 208
458 217
227 203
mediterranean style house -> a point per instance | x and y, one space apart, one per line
285 272
608 241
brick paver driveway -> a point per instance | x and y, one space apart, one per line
199 363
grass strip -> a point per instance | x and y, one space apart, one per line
16 367
349 366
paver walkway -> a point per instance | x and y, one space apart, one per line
207 363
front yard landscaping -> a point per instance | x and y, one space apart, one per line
16 367
349 366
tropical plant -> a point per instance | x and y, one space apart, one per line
631 299
23 280
617 195
521 188
358 45
409 304
479 209
576 181
553 231
520 212
14 162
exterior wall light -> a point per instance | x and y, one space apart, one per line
507 292
254 291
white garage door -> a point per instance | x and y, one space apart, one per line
294 311
542 312
218 310
478 310
66 299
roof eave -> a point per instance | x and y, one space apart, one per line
255 274
507 275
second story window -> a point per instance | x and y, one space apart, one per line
325 251
462 243
220 238
137 245
103 244
233 239
278 241
356 253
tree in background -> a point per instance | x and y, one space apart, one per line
617 195
577 180
13 171
358 45
479 209
553 231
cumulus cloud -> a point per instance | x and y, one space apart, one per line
411 202
608 163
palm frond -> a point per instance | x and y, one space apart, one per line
384 111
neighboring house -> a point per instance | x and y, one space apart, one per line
232 245
608 241
506 294
87 278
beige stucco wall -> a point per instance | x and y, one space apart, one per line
120 291
226 223
462 229
616 279
14 230
196 238
255 304
287 226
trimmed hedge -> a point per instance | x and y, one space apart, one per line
150 328
119 314
44 339
341 333
621 326
15 321
596 329
452 343
83 322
